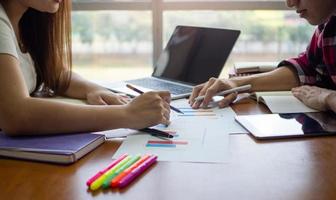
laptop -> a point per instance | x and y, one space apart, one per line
192 56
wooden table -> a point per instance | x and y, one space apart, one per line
282 169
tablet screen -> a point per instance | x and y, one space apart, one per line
289 125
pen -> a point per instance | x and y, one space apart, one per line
108 179
141 92
236 89
137 171
100 173
97 183
115 181
156 132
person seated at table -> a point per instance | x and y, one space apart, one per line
35 58
311 76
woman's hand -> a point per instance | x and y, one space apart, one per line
149 109
312 96
106 97
209 89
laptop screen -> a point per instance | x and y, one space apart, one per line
194 54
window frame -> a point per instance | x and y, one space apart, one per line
158 7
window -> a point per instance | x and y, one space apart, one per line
265 35
119 39
108 44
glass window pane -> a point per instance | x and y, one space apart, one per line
265 36
218 0
107 1
112 45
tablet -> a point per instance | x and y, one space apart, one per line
271 126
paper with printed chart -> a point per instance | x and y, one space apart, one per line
199 136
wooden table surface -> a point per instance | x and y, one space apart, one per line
281 169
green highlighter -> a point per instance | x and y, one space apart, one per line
111 176
97 183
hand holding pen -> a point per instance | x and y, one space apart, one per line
164 96
148 109
202 94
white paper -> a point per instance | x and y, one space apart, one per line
206 132
226 118
203 146
286 104
118 133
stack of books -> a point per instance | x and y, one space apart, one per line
249 68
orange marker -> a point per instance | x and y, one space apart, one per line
115 181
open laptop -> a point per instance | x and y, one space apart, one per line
192 56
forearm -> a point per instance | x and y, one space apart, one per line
331 101
283 78
40 116
79 87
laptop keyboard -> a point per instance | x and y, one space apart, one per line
161 85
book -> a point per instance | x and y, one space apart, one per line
232 73
62 149
281 102
254 67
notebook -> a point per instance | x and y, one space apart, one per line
281 102
63 149
254 67
192 56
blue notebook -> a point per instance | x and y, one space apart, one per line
62 149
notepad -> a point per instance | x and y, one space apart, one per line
63 149
281 102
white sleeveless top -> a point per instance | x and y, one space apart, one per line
9 45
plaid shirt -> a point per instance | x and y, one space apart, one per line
317 66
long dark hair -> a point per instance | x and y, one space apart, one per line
47 38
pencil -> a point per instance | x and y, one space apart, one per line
141 92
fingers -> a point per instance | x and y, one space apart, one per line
300 92
97 101
165 115
165 111
202 90
207 86
161 104
195 93
165 95
210 92
124 98
107 98
227 100
112 99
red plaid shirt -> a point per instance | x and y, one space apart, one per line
317 65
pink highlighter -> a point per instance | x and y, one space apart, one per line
95 177
137 171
